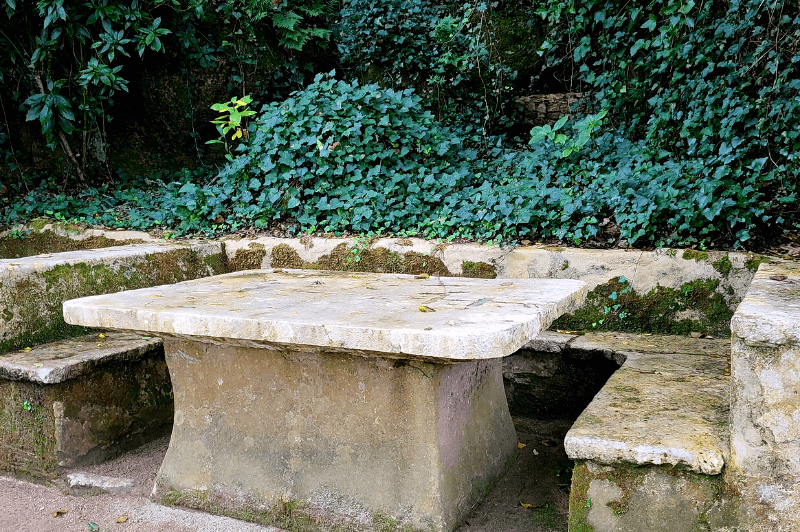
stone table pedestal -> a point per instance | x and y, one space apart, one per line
353 399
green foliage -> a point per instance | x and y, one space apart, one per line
693 135
705 100
232 120
339 156
446 50
67 62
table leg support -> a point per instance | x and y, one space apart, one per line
343 438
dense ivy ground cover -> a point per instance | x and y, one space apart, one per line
694 136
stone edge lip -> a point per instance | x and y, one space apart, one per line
769 314
610 452
76 366
412 344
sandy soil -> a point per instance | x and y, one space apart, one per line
538 478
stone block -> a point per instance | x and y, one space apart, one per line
81 401
626 498
345 439
765 399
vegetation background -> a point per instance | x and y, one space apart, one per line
381 116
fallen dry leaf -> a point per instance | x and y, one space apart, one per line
778 277
59 512
422 276
101 335
521 445
525 505
696 334
506 284
548 443
425 308
122 518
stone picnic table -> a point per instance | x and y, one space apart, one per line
353 397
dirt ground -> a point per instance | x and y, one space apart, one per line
531 497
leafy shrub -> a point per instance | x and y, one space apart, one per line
706 102
66 63
338 155
447 50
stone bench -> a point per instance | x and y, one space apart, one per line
32 289
354 398
652 444
81 401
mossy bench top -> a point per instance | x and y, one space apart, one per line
663 406
59 361
402 316
21 267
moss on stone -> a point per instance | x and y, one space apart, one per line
579 504
654 312
754 261
291 515
27 442
723 265
250 258
35 243
691 254
481 270
377 260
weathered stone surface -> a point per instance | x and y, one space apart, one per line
32 289
87 482
56 362
344 438
765 409
650 499
110 402
441 319
658 409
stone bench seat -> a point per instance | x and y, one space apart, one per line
81 401
651 445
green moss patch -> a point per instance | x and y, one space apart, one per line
291 515
753 262
27 441
480 270
248 259
579 503
691 254
654 312
723 265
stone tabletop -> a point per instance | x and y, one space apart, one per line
446 319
